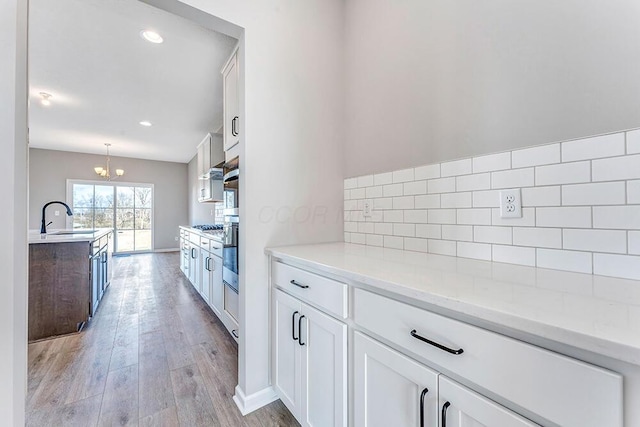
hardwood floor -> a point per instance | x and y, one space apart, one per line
154 355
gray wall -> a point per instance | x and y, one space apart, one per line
199 213
437 80
49 171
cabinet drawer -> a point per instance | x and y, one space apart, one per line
322 292
560 389
204 243
215 248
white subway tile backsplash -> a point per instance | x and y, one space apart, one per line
416 216
427 172
486 199
442 247
474 250
383 178
429 201
514 255
404 202
392 190
441 185
541 196
593 148
512 178
573 217
538 237
489 234
581 207
455 200
580 262
442 216
528 218
431 231
617 217
617 168
415 187
406 230
611 241
536 156
457 167
625 266
394 242
492 162
633 192
365 181
457 232
416 245
633 142
474 216
565 173
404 175
479 181
604 193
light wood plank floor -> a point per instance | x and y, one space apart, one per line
154 355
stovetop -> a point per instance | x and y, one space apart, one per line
208 227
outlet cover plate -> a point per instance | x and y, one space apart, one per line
510 203
366 210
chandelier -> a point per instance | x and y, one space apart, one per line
105 172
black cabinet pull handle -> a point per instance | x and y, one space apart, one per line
235 333
214 265
424 392
234 131
193 253
435 344
444 413
293 282
293 326
300 330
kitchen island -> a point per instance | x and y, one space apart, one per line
69 271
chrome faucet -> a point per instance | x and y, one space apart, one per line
43 227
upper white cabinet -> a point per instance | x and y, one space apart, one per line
230 76
210 154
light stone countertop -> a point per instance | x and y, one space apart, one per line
593 313
79 236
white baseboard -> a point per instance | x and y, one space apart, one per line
248 404
167 250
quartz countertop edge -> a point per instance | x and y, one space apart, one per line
593 313
36 238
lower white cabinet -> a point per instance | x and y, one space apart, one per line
310 362
392 389
207 266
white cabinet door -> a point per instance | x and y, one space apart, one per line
391 389
194 266
217 290
205 283
231 103
286 350
461 407
323 343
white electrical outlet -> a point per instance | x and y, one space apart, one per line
510 203
366 209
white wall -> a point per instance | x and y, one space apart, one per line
437 80
13 215
50 169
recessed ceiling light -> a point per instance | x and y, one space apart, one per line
45 98
151 36
145 123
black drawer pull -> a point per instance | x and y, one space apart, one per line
444 413
435 344
293 282
300 330
235 333
424 392
293 326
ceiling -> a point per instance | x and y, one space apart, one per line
104 79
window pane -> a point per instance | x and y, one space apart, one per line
124 219
82 218
104 218
82 196
143 197
104 196
143 240
124 241
125 197
143 219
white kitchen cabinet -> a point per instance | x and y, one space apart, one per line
310 362
194 266
391 389
207 265
217 288
210 154
230 76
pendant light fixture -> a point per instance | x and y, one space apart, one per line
105 172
